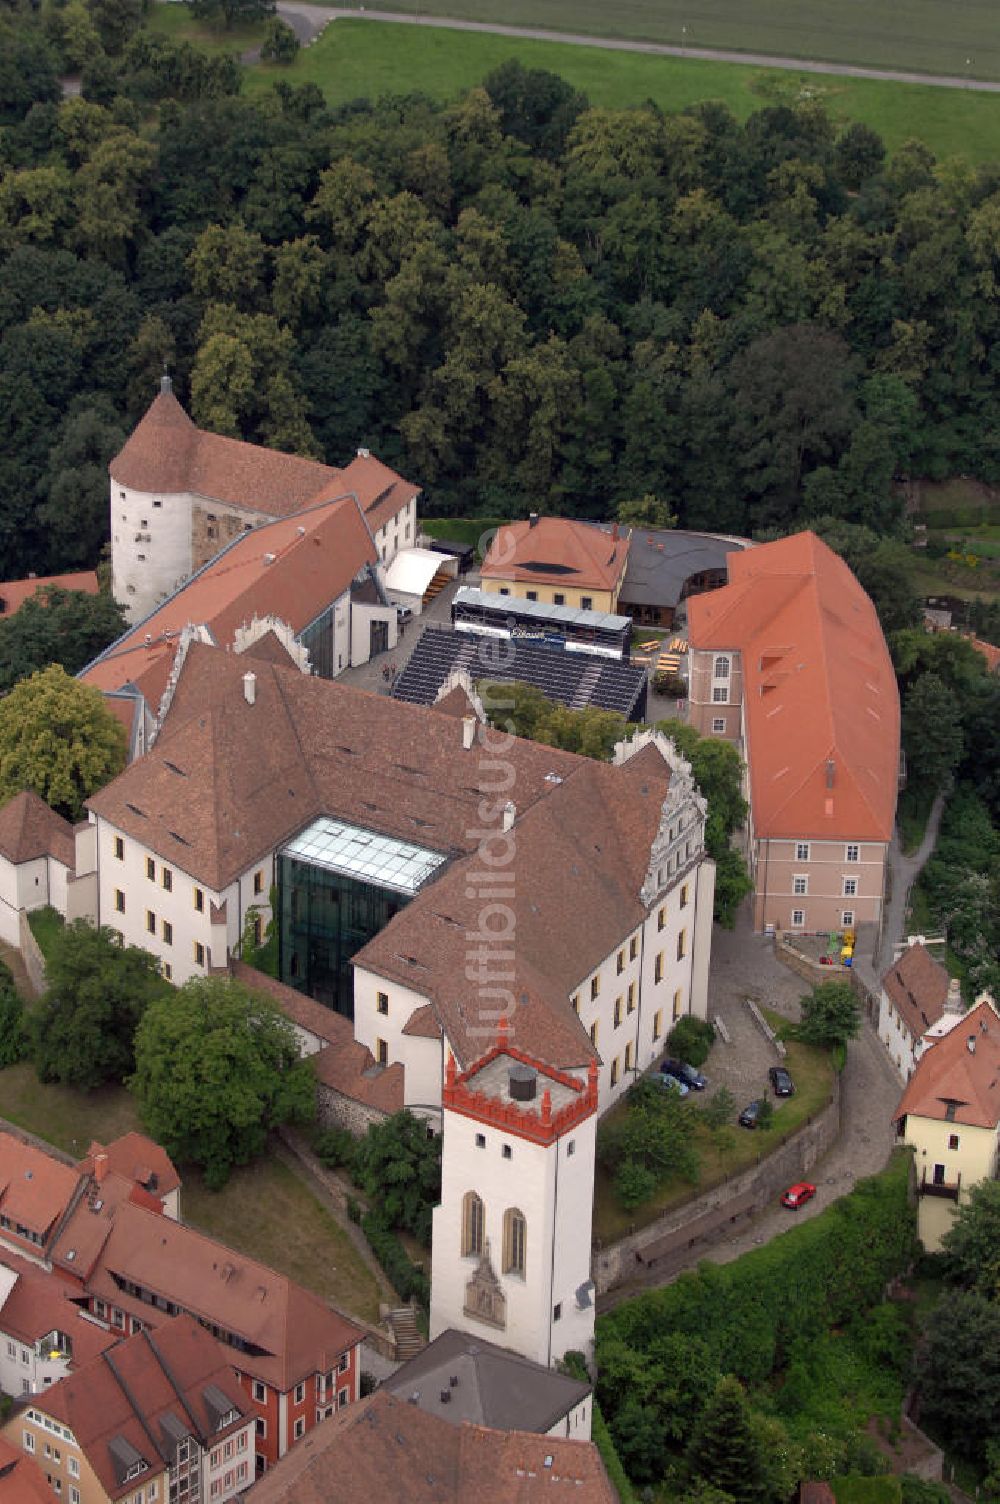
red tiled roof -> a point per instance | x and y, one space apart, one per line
557 551
963 1069
30 829
35 1189
311 1016
423 1024
127 1394
137 1158
917 985
351 1069
21 1479
14 593
387 1449
292 570
40 1304
298 1333
986 649
820 696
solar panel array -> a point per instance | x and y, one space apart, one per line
573 679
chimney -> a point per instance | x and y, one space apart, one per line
166 385
831 769
532 519
953 1002
509 814
100 1167
468 731
614 530
250 688
971 1043
364 454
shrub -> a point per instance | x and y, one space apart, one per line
691 1039
13 1038
398 1162
335 1147
411 1283
280 43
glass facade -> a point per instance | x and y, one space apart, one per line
338 886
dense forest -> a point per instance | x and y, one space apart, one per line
515 298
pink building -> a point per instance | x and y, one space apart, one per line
788 662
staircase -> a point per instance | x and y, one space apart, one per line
409 1338
588 679
437 584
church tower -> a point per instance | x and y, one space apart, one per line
511 1245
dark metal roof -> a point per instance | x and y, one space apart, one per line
660 562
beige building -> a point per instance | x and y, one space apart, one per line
559 562
789 663
950 1114
918 1002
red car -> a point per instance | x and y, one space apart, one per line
798 1195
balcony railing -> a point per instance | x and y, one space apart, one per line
948 1189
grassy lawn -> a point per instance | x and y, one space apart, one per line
177 23
45 924
356 59
267 1212
65 1117
460 529
911 816
965 582
909 34
812 1073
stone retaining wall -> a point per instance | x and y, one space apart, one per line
668 1241
804 966
34 961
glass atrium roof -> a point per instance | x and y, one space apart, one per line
364 854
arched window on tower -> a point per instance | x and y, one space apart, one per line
473 1219
515 1241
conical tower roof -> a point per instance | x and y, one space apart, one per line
158 454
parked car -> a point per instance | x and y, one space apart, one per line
681 1071
671 1083
781 1082
798 1195
750 1114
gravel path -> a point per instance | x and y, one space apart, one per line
312 19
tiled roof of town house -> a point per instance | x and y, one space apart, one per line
581 857
198 801
38 1305
557 551
14 593
150 1391
423 1024
917 985
137 1158
985 649
21 1479
291 569
388 1450
299 1335
962 1069
820 696
30 829
313 1017
83 1234
35 1189
380 491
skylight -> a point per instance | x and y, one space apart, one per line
365 854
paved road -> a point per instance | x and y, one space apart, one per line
905 871
309 20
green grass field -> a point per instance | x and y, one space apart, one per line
177 23
355 59
924 36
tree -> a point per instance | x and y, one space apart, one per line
724 1448
280 44
972 1242
82 1031
68 627
654 1137
831 1015
58 738
958 1371
690 1039
719 1109
648 511
932 731
216 1068
398 1163
13 1039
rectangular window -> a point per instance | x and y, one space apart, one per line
532 595
258 881
631 997
721 670
953 1141
847 919
300 1428
718 723
119 901
850 887
852 852
504 590
259 1394
168 932
29 1441
678 1003
199 900
658 967
800 885
382 1002
73 1467
120 848
586 603
593 1032
74 1495
167 878
558 600
557 1311
682 945
506 1151
720 694
802 851
661 918
633 947
629 1055
798 918
151 869
618 1011
150 922
657 1023
381 1052
300 1393
480 1140
620 962
575 1003
684 896
614 1071
595 986
199 953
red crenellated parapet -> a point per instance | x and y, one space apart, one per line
540 1125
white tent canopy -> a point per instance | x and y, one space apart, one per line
411 571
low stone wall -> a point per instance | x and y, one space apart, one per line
804 966
335 1110
672 1239
34 961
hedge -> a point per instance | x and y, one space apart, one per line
603 1441
409 1281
